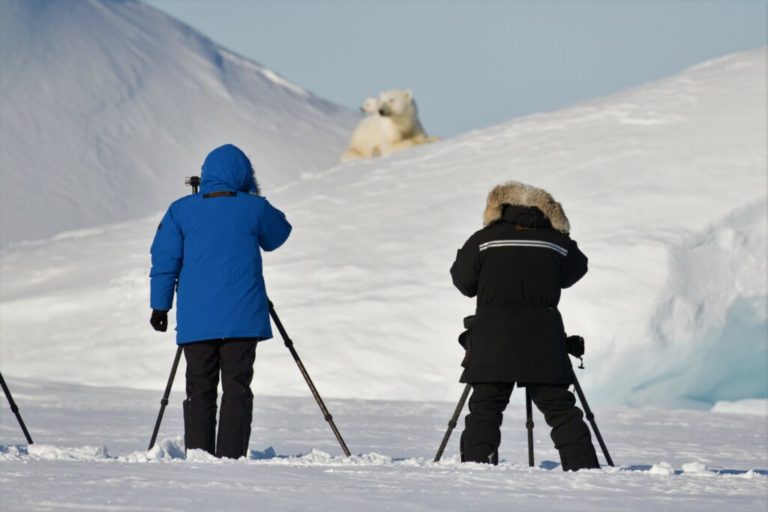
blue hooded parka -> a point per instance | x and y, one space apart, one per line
208 249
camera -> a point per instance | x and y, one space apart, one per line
194 182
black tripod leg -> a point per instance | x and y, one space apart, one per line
289 344
591 417
164 401
15 409
452 422
529 425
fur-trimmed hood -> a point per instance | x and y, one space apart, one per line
520 194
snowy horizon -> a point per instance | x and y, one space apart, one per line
665 186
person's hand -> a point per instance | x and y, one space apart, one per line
575 346
159 320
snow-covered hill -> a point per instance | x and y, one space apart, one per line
106 105
665 187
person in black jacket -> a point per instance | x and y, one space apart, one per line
516 266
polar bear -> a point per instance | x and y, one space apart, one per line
393 127
370 106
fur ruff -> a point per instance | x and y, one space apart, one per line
520 194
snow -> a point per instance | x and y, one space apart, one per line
748 406
91 456
672 216
109 119
662 469
665 187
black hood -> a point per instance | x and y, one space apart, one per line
526 216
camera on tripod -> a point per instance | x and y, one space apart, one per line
194 182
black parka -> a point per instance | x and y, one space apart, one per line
516 266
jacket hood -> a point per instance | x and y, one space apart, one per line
514 193
527 216
227 168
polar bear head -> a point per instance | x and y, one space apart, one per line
370 106
397 103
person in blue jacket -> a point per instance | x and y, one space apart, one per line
208 250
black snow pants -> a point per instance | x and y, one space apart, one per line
482 435
234 359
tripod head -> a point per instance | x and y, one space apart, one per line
194 182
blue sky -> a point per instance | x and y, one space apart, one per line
473 64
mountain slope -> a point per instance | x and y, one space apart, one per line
104 105
665 187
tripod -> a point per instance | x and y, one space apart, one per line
528 421
289 344
194 182
15 409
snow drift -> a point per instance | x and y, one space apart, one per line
665 187
105 106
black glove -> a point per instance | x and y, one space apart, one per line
575 346
159 320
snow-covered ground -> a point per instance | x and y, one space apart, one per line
665 186
89 455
